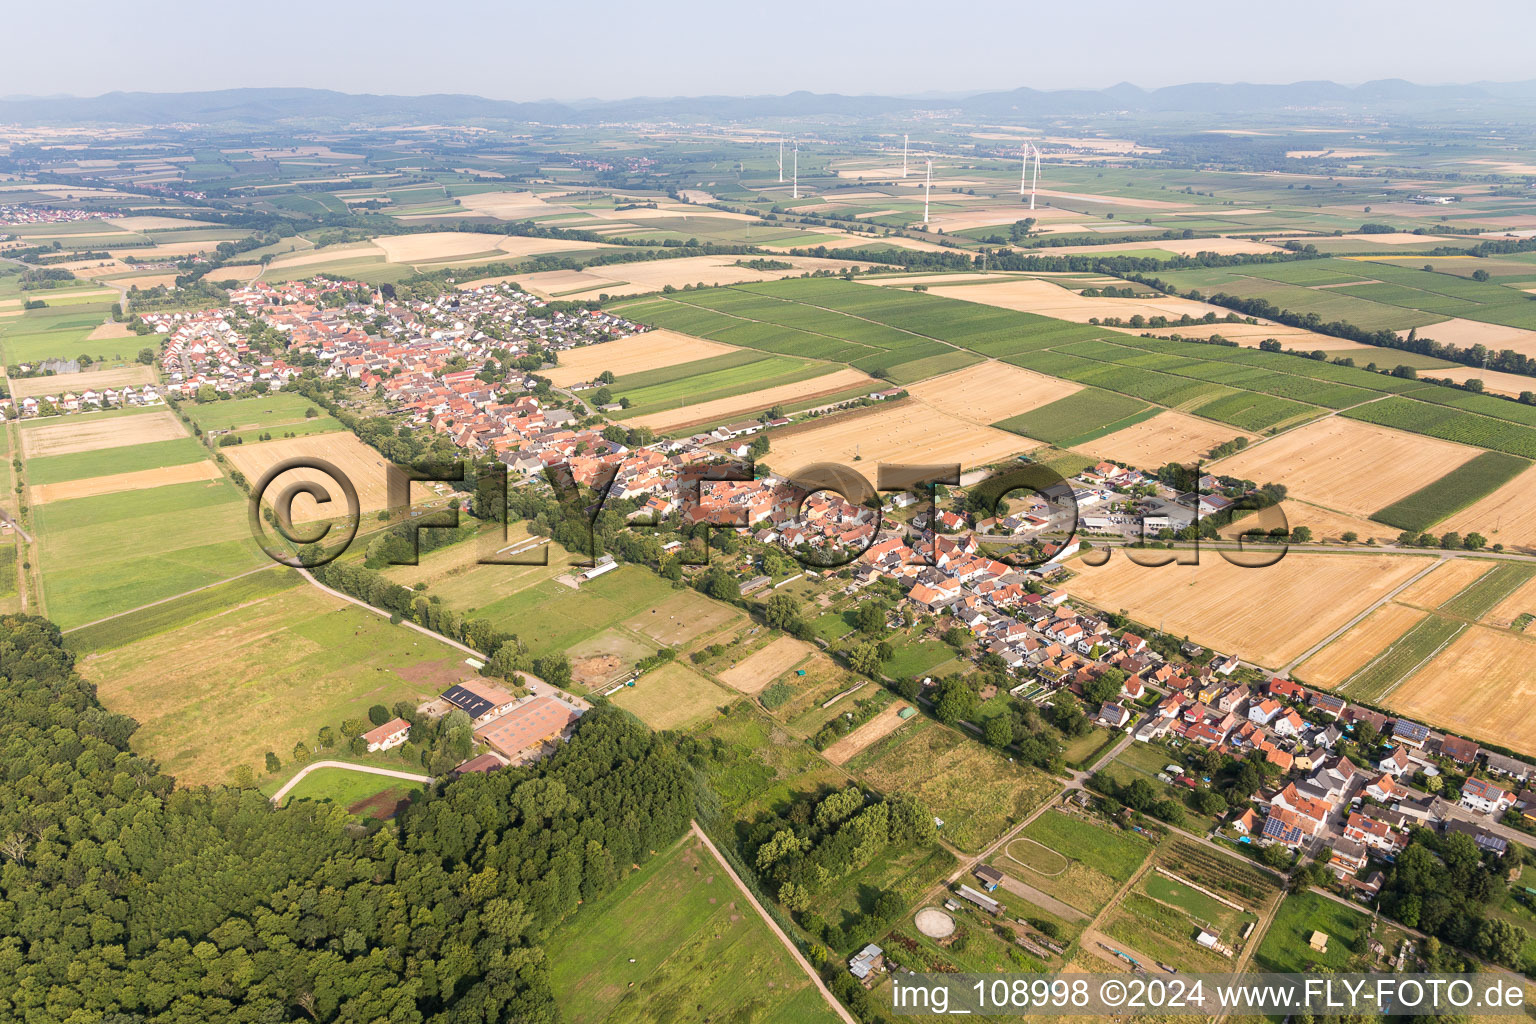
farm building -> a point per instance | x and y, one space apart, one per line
538 721
988 876
866 961
479 699
604 564
986 903
390 734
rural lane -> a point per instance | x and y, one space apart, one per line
794 950
277 797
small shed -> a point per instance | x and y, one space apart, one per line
1319 942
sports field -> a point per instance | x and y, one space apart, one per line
1265 615
677 934
640 352
1480 686
1346 465
223 690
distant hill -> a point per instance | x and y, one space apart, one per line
289 106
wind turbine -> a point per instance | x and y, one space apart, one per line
781 161
1036 182
927 188
903 156
796 192
1024 170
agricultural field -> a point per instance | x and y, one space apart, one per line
1218 604
1362 642
1079 418
1478 685
62 333
218 599
673 696
551 617
1450 424
1479 597
635 354
1506 516
1326 525
651 276
901 432
95 462
1403 658
107 553
761 766
766 664
190 472
868 734
343 450
973 789
96 431
678 934
1444 582
991 391
1346 466
1166 437
1459 489
746 390
277 414
59 383
221 691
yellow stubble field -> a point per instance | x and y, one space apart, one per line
990 391
1506 516
907 432
756 401
1365 640
1266 615
91 434
1480 686
363 465
1346 465
1167 437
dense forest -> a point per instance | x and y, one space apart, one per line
124 897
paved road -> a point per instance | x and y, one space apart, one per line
773 925
277 797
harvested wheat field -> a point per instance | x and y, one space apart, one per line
907 432
1351 652
509 205
1166 437
763 666
146 282
1451 577
363 465
1466 333
1324 524
1507 516
649 351
1480 686
111 331
1046 298
1266 615
192 472
327 254
866 735
164 250
447 245
1521 602
1510 384
988 392
239 273
95 380
1346 465
88 435
1182 247
755 401
653 275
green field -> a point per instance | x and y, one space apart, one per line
677 941
1402 659
1113 852
222 690
180 611
1079 418
551 617
1460 488
1285 948
106 554
345 788
684 389
1449 424
975 790
54 469
60 334
276 413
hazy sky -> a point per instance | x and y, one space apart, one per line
610 50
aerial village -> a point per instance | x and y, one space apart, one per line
425 360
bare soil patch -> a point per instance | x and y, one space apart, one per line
866 735
140 480
764 666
